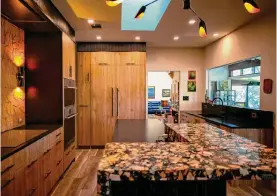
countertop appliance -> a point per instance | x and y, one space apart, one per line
69 112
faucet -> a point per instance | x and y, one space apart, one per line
222 112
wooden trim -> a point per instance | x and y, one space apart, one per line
111 47
52 13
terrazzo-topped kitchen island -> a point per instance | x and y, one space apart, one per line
206 153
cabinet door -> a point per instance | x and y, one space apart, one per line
131 83
32 177
83 99
72 60
65 52
102 97
7 187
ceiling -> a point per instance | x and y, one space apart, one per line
220 16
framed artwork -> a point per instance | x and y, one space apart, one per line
151 92
192 75
191 86
165 92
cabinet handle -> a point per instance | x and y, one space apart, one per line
83 106
88 76
59 162
7 183
32 191
117 101
70 71
112 102
67 153
7 169
46 151
73 147
32 163
47 175
58 134
58 142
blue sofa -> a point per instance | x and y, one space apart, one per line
154 107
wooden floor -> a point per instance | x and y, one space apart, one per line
80 179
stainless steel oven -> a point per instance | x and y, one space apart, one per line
69 112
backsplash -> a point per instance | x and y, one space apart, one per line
244 115
12 56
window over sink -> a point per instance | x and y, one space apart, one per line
237 84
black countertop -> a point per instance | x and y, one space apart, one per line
230 123
147 130
31 134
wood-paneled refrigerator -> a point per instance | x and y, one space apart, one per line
111 86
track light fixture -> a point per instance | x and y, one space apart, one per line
186 4
202 29
113 3
251 6
142 10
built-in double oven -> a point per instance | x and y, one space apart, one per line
69 111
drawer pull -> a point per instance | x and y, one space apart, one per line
73 147
47 175
7 169
7 183
59 162
58 134
67 153
32 191
58 142
46 151
32 163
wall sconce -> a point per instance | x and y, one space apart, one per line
20 77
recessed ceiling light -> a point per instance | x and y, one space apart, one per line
137 38
192 22
216 34
90 21
98 37
176 37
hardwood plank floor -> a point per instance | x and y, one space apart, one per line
81 179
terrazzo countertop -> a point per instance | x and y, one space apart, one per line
209 154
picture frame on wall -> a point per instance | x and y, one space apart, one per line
191 86
192 75
165 92
151 92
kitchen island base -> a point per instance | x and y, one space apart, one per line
168 188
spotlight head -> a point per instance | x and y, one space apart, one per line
186 4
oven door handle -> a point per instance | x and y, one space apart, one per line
71 116
70 87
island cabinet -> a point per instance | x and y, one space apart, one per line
187 118
69 57
111 86
35 169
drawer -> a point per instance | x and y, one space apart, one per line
58 171
32 173
46 184
7 187
69 155
32 152
55 136
12 164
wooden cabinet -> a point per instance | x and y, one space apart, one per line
35 169
69 59
69 155
83 99
111 85
131 85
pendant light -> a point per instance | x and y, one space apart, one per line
251 6
202 29
141 12
113 3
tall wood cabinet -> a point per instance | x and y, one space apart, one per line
111 86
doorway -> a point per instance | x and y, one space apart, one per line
163 95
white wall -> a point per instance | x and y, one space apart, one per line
161 80
183 60
258 38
